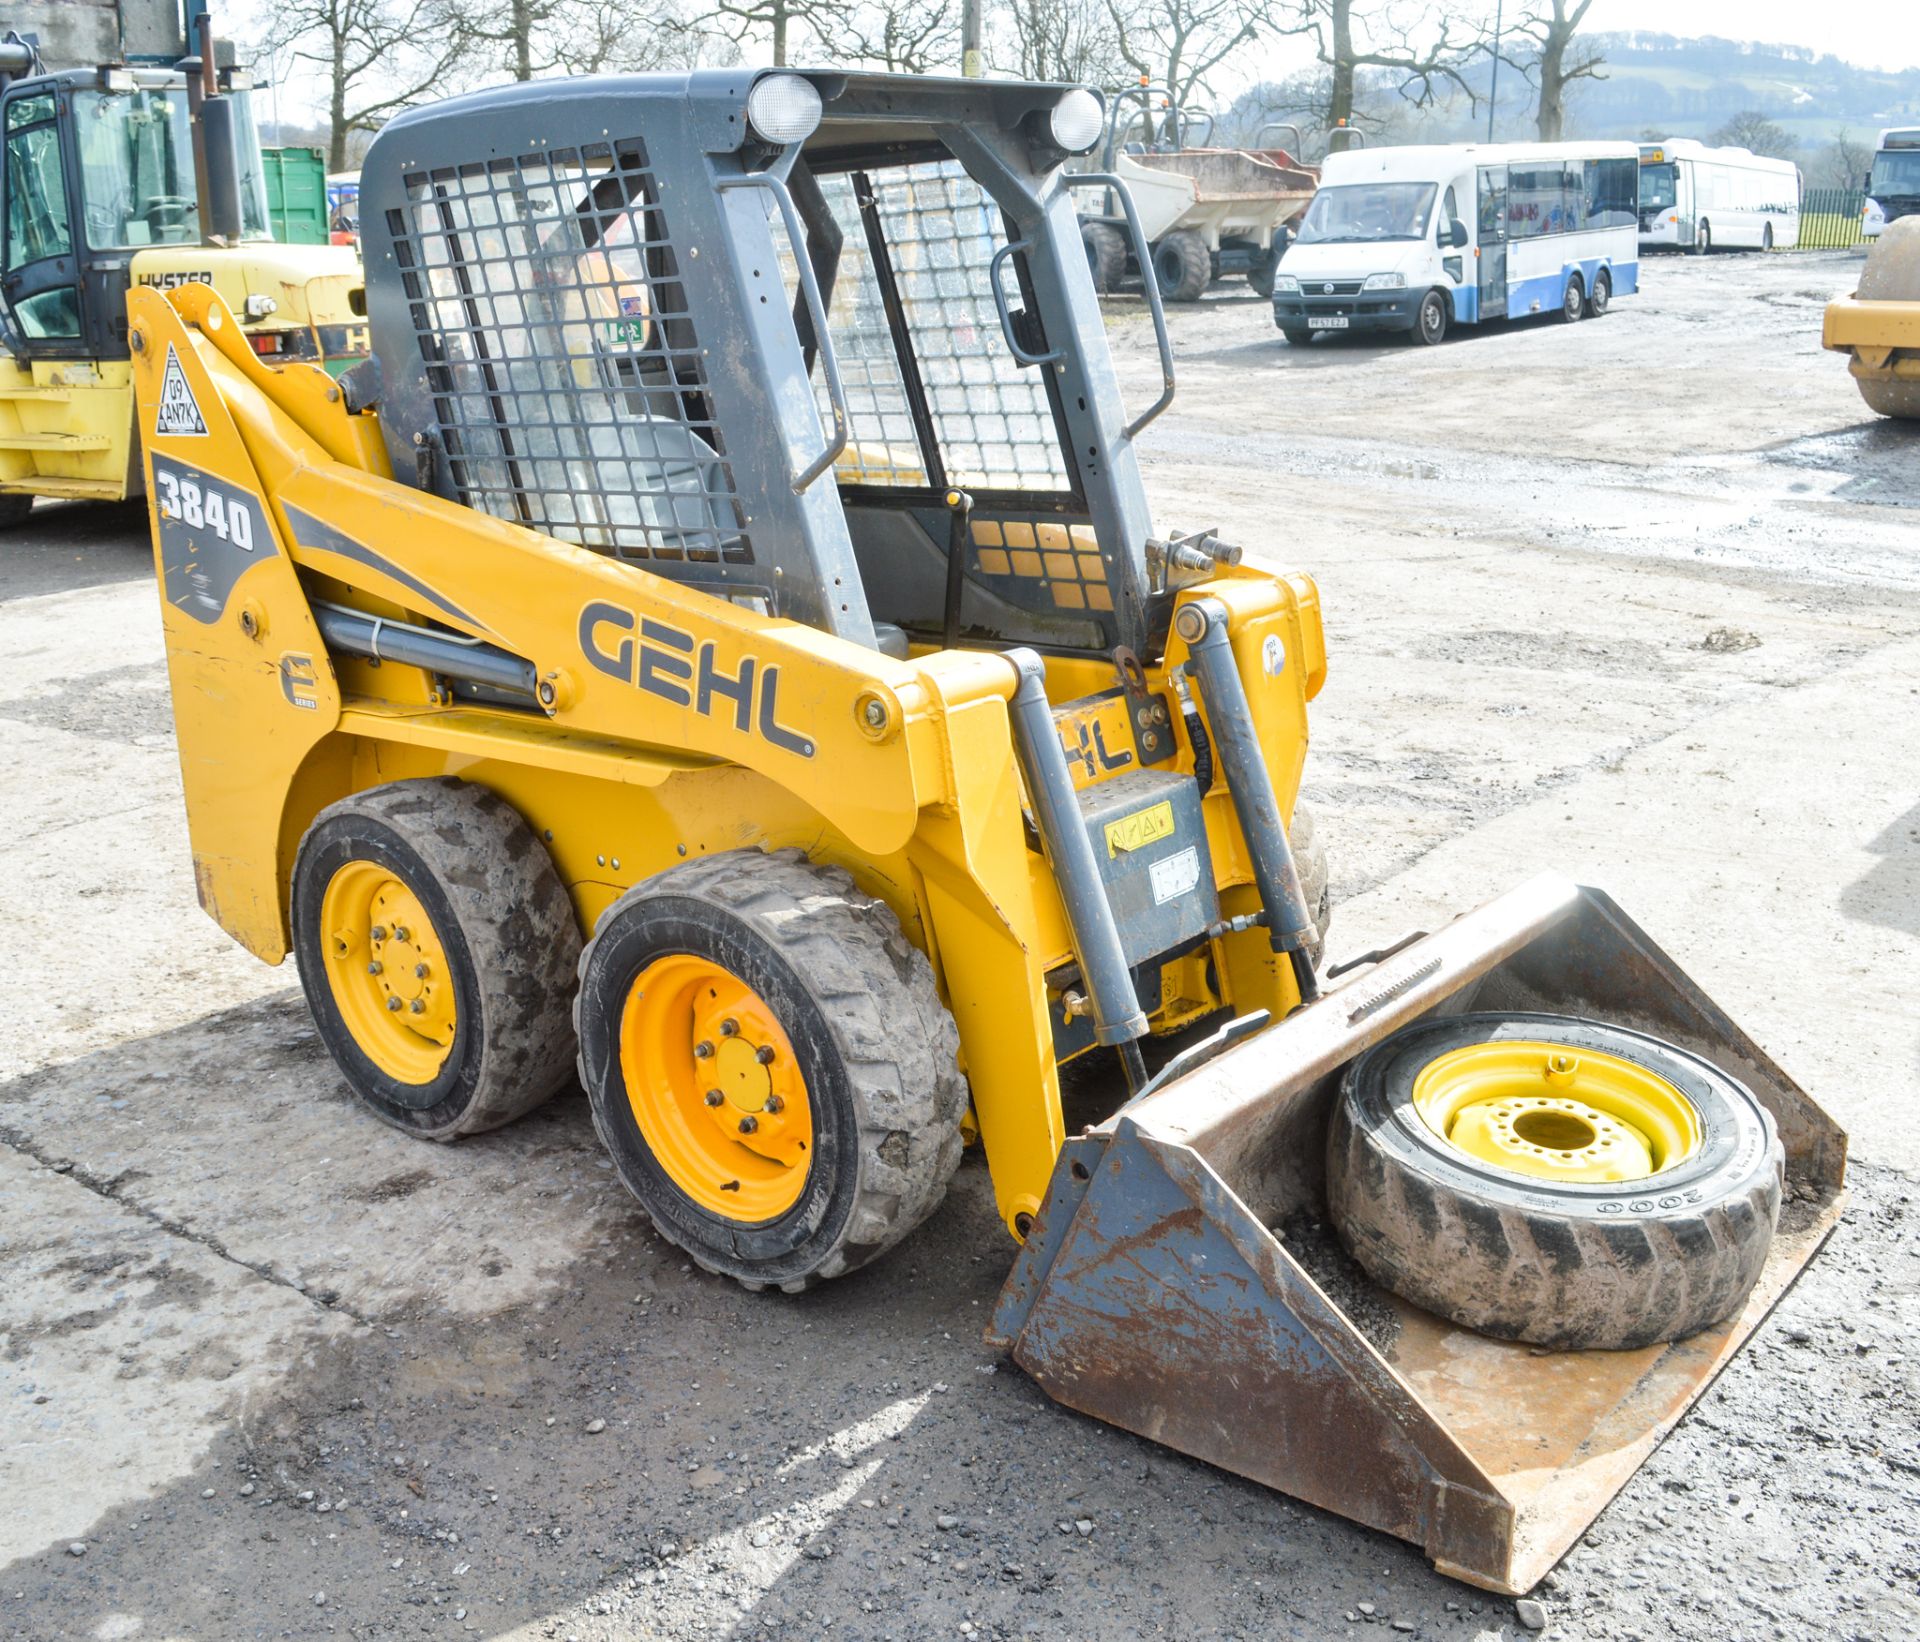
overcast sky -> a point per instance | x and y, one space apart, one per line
1872 33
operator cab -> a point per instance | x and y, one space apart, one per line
570 343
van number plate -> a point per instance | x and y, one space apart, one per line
1336 322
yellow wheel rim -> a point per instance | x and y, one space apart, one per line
1556 1112
388 971
716 1089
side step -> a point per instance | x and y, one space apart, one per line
61 442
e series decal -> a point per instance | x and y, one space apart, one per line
669 663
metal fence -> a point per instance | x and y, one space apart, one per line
1829 219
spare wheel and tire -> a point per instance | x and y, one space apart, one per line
1547 1178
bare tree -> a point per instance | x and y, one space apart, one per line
1178 43
1070 40
530 38
779 20
1558 59
904 36
377 55
1752 129
1426 50
1844 161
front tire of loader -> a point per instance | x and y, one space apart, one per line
437 948
770 1066
1183 266
1633 1199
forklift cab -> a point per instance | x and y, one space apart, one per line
99 166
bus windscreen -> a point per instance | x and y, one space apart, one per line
1360 213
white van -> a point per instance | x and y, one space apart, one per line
1697 198
1422 239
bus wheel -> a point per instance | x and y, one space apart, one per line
1602 293
1575 302
1766 237
1703 239
1430 326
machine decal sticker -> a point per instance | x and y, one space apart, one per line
1175 876
178 414
318 536
210 533
1273 655
297 681
176 278
668 662
1143 827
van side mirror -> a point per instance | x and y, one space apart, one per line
1458 238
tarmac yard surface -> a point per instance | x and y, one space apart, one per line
1639 600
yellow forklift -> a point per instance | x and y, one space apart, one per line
134 175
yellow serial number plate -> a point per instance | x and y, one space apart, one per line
1143 827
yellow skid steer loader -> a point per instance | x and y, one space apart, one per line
718 643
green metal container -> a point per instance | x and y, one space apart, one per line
296 194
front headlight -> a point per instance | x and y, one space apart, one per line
1285 285
1386 282
1076 121
784 108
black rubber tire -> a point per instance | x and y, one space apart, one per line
1310 861
1261 269
1297 336
1570 1266
1106 255
1766 237
14 509
1430 323
1573 304
879 1051
1600 298
510 936
1703 239
1183 265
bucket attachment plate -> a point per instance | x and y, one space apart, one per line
1153 1294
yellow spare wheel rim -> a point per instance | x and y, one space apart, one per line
716 1089
1556 1112
388 972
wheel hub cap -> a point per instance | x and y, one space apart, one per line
388 972
1555 1112
716 1089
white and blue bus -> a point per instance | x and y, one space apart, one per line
1893 185
1422 239
1696 198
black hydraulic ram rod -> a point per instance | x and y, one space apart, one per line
1117 1017
1203 624
452 655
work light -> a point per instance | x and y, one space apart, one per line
784 108
1076 121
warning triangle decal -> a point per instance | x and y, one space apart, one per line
178 414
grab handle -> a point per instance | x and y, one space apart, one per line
1143 255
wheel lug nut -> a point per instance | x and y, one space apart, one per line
375 967
748 1124
764 1054
419 1006
703 1050
714 1097
393 1006
729 1028
399 932
775 1104
379 932
420 971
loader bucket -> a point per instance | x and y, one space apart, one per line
1154 1293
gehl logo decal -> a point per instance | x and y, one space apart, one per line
668 663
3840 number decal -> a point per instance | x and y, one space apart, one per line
201 506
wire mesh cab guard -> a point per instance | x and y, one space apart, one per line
592 310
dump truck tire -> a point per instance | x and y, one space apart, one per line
753 975
1892 274
498 949
1106 255
1183 265
1594 1264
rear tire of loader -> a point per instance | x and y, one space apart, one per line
492 964
830 1006
1106 255
1579 1265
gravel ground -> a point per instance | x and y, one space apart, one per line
269 1369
